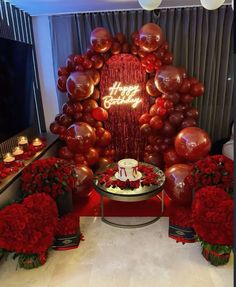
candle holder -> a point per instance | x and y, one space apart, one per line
8 159
18 152
37 143
23 142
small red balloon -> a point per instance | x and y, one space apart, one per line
89 105
197 89
92 156
65 153
100 114
145 119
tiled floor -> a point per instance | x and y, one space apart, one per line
114 257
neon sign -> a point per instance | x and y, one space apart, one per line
122 95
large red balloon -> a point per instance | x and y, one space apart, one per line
80 137
79 86
151 88
84 180
100 40
192 143
168 79
151 37
176 186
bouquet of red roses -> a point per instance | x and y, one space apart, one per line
216 170
212 214
51 175
28 228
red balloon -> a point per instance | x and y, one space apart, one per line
98 61
65 120
145 119
94 74
168 58
104 162
192 143
92 156
160 111
168 79
63 71
84 180
120 37
78 59
146 129
197 89
116 48
80 86
79 158
188 122
171 158
57 118
80 137
89 105
104 140
185 87
88 118
181 107
65 153
100 114
70 63
77 116
183 72
125 48
135 38
192 113
54 127
153 109
61 83
168 130
87 64
77 107
156 122
151 88
68 109
134 49
100 40
176 118
155 159
176 186
151 37
186 98
96 94
175 97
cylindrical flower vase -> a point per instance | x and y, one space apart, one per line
215 258
64 203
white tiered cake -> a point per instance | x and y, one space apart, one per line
128 170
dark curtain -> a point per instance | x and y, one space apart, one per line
201 41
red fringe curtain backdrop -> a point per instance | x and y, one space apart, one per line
200 40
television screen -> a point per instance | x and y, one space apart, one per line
17 104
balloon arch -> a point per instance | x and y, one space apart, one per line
128 100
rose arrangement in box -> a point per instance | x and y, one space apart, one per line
27 229
216 170
51 175
212 214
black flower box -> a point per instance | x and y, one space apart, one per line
67 242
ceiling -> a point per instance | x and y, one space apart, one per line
52 7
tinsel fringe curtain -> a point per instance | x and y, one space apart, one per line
201 41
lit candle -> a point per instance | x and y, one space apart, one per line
17 152
23 142
37 142
8 159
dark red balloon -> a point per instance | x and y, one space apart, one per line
188 122
68 109
61 83
80 86
94 74
65 120
176 118
145 119
155 159
100 40
84 180
176 186
100 114
116 48
70 63
156 122
98 61
54 127
146 129
168 130
186 98
63 71
171 158
104 140
104 162
89 119
168 59
185 87
89 105
151 88
192 113
175 97
151 37
80 137
197 89
192 143
65 153
168 79
96 94
92 156
120 37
